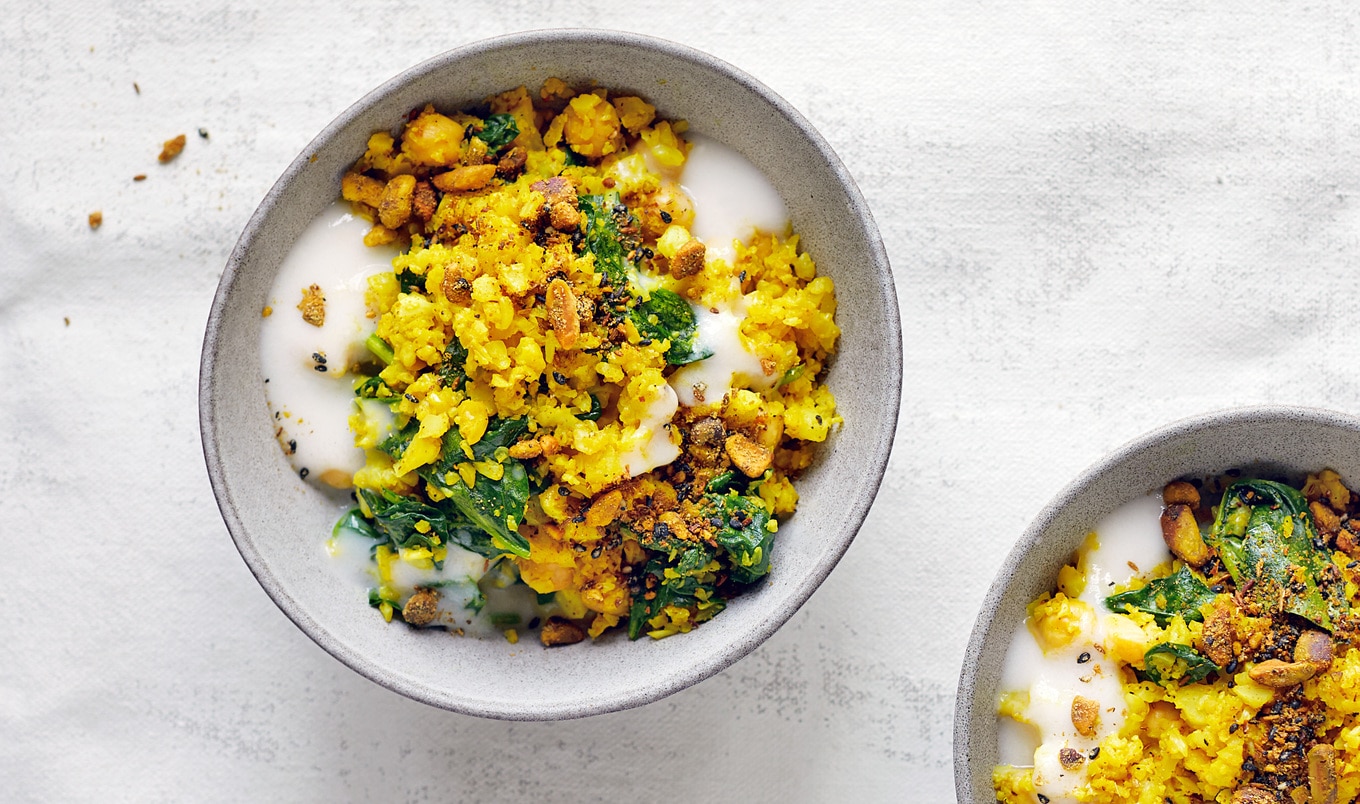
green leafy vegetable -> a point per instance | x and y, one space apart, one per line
379 348
1179 593
674 579
744 534
1171 661
595 410
721 482
452 369
1265 536
602 217
574 159
411 282
354 521
665 315
791 375
498 130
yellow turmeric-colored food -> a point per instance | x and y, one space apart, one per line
536 400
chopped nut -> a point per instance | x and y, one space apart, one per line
1315 648
689 260
1322 780
1276 674
550 444
748 456
562 314
96 219
564 217
423 203
1180 531
708 432
512 162
1178 492
171 148
526 449
1254 794
465 179
1085 715
394 208
557 631
313 306
1071 758
362 189
1216 640
422 607
560 202
604 509
676 525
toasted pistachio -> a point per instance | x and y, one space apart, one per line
1178 492
1254 794
557 631
748 456
1181 533
1071 758
1328 523
394 208
1315 648
1278 675
1322 774
604 509
421 608
1085 715
566 323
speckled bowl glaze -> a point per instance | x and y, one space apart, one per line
279 523
1279 441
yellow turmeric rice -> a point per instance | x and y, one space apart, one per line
534 342
1238 677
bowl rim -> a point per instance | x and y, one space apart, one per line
875 463
966 705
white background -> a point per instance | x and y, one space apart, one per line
1101 217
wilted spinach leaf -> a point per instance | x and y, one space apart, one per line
665 315
1171 661
602 217
498 131
452 369
1264 534
1179 593
743 534
672 580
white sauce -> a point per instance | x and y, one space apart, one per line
732 198
652 445
1129 543
313 407
733 364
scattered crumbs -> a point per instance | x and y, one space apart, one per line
311 158
136 88
139 177
202 132
96 219
266 312
313 306
67 319
171 149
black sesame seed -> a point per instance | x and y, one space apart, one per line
1232 729
645 342
1095 752
1084 657
599 548
1043 799
318 357
534 622
303 472
321 367
560 377
665 216
203 132
564 491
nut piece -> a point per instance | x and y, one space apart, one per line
1278 675
604 509
1085 715
562 313
1322 774
748 456
1254 794
526 449
422 607
1071 758
689 260
361 188
560 203
1180 531
1315 648
1328 523
313 306
171 149
512 162
1178 492
464 179
394 208
424 204
96 219
557 631
1216 640
676 525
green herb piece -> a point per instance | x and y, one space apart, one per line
667 316
573 159
744 534
1171 661
495 506
354 521
452 369
1267 541
505 619
478 600
720 483
380 349
602 218
500 434
595 410
411 282
498 131
791 375
1179 593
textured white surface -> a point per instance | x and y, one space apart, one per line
1100 219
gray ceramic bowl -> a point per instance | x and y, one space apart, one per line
279 522
1286 441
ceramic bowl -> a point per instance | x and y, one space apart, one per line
279 523
1272 441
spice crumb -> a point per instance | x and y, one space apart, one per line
96 219
266 312
202 132
171 148
139 177
67 319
